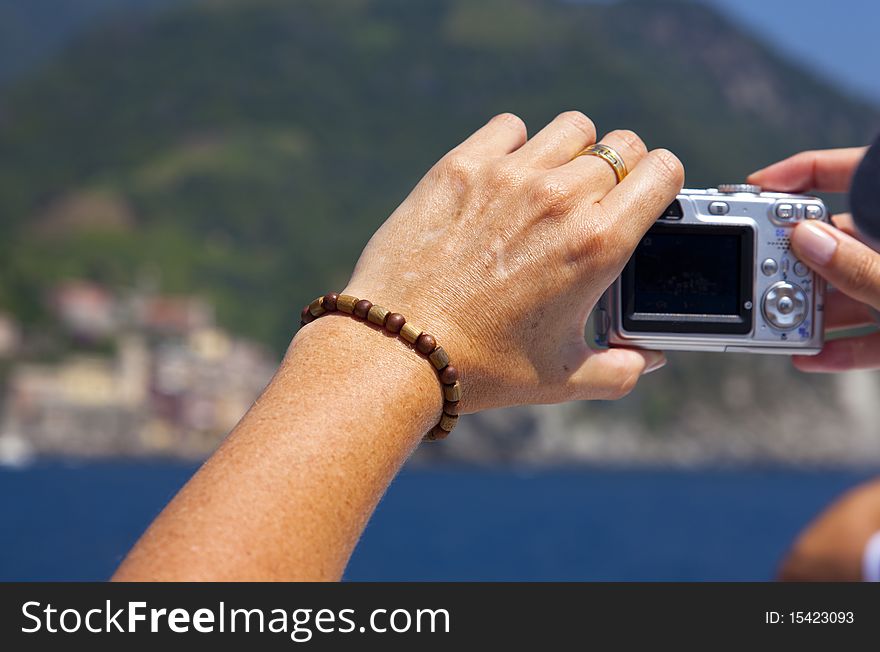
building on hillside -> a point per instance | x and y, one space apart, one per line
174 385
85 309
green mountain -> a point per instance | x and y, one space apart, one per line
34 30
246 149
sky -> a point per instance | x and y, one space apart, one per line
839 39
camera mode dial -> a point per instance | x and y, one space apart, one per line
729 188
785 305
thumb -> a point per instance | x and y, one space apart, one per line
852 267
612 373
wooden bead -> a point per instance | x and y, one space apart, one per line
450 407
378 314
439 358
394 322
452 392
315 307
345 303
448 375
448 421
426 343
362 308
436 434
329 301
410 333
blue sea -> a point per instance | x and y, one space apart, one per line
64 521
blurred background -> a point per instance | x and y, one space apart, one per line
178 177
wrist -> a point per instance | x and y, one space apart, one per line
395 325
432 314
358 364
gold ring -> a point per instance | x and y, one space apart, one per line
610 156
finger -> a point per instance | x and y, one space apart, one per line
558 142
635 203
594 175
844 222
829 170
846 263
842 355
612 373
502 135
842 311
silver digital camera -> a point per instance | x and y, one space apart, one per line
716 273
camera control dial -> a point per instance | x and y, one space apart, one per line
785 305
730 188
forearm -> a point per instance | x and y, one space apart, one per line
500 253
289 492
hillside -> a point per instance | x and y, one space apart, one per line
217 143
32 32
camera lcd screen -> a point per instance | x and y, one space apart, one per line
690 279
687 274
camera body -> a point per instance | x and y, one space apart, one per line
716 273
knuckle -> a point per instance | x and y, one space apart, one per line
806 155
580 122
666 167
623 384
505 177
551 196
629 138
508 173
458 169
592 243
864 275
511 120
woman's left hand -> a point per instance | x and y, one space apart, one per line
837 253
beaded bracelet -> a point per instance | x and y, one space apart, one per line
396 323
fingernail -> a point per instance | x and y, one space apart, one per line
655 364
814 243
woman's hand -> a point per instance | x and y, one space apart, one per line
503 249
837 254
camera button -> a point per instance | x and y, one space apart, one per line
785 211
769 267
785 305
733 188
719 208
800 269
813 211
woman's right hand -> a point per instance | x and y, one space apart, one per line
503 249
837 254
